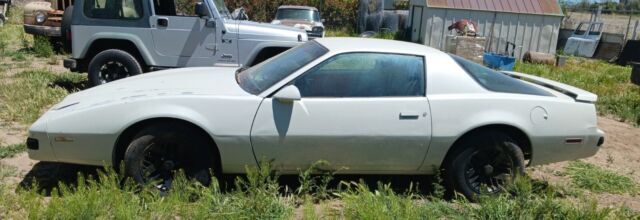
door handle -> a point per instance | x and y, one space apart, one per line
409 115
163 22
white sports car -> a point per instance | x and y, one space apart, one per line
373 106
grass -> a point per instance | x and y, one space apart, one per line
259 196
256 197
26 95
617 95
591 177
12 150
42 47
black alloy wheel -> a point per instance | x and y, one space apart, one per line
159 152
485 165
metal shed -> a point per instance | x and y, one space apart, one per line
533 25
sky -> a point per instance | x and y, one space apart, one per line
575 1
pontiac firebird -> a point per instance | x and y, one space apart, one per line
372 106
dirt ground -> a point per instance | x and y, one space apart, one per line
620 153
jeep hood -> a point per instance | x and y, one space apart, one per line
269 32
213 81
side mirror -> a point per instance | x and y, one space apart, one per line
323 20
288 94
239 14
201 10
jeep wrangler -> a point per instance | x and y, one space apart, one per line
114 39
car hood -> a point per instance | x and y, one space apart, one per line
299 24
212 81
266 31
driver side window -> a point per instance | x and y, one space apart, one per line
184 8
365 75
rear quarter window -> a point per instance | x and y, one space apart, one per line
496 81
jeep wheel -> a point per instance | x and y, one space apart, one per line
112 65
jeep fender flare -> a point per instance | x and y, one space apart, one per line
140 46
263 45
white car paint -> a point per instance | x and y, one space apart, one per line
364 134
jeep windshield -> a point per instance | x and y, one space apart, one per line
298 14
259 78
222 9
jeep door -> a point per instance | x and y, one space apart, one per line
180 37
364 111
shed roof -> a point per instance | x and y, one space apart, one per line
544 7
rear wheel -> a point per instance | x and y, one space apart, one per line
488 163
111 65
158 151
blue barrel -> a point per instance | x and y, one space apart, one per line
499 62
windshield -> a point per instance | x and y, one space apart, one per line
298 14
259 78
222 8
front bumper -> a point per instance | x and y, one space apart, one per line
312 35
38 144
42 30
70 64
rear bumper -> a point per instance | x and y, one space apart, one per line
42 30
548 150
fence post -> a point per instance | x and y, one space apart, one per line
626 33
635 30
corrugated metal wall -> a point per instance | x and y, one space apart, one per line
530 32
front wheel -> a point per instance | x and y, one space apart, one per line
158 152
488 163
112 65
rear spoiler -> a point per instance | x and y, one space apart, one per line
576 93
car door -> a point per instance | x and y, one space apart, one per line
365 112
180 37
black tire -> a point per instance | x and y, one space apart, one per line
65 28
158 151
485 164
111 65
